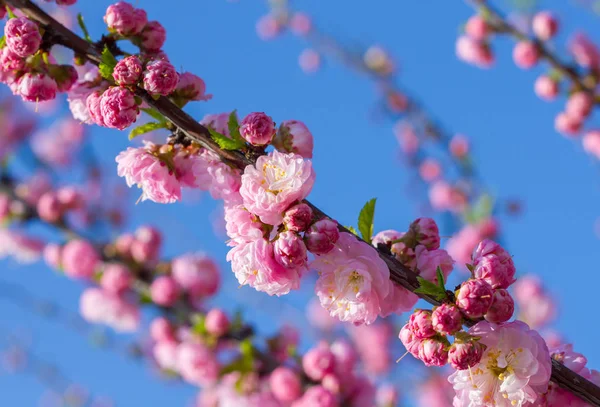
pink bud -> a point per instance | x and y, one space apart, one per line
546 88
309 60
426 233
345 356
322 236
161 330
49 207
331 383
118 107
37 87
591 143
197 364
502 307
430 169
294 137
300 24
267 27
128 71
318 396
474 52
463 355
544 25
116 278
477 28
290 250
584 51
567 124
579 105
216 322
160 78
22 36
257 128
493 264
164 291
65 77
79 259
154 36
459 146
420 324
285 384
318 361
146 244
123 244
474 298
447 319
526 54
125 19
298 217
191 87
52 255
69 197
432 352
409 340
93 106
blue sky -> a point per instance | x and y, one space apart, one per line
517 152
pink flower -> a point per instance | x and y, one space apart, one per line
257 128
165 355
546 88
536 306
432 352
446 319
477 28
23 248
544 25
125 19
409 340
161 330
145 245
52 254
298 217
128 71
153 176
300 24
591 143
309 61
253 264
318 316
267 27
526 54
344 353
92 104
116 278
274 183
294 137
37 87
290 250
463 355
65 76
579 106
444 197
197 274
421 325
318 362
459 146
426 233
567 124
164 291
398 301
353 280
474 52
118 107
322 236
502 307
197 364
514 370
317 396
216 322
493 264
22 36
428 262
100 307
49 207
285 384
191 87
584 51
217 122
79 259
160 78
474 298
460 246
241 225
153 36
430 170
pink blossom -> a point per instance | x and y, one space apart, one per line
65 76
197 364
22 36
353 280
191 87
160 78
591 143
372 342
536 306
430 170
426 233
432 352
526 54
409 340
165 354
474 52
444 197
290 250
125 19
217 122
579 106
257 128
309 60
146 244
116 278
241 225
92 104
568 125
343 351
274 183
446 319
463 355
23 248
546 88
300 24
398 301
318 362
267 27
420 324
321 237
493 264
514 370
460 246
37 87
317 396
428 262
49 207
298 217
100 307
80 91
197 274
161 330
474 298
118 108
502 307
285 384
407 138
216 322
52 255
79 259
319 317
477 28
584 51
164 291
128 71
294 137
57 145
544 25
253 264
10 64
153 36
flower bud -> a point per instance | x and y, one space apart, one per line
216 322
447 319
164 291
294 137
526 54
298 217
474 298
420 324
463 355
432 352
22 36
544 25
322 236
128 71
257 129
290 250
502 308
285 384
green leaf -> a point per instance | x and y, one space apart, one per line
365 220
107 66
145 128
428 288
198 326
154 114
2 42
10 13
86 33
351 229
234 127
224 142
440 278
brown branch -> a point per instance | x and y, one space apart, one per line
399 273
